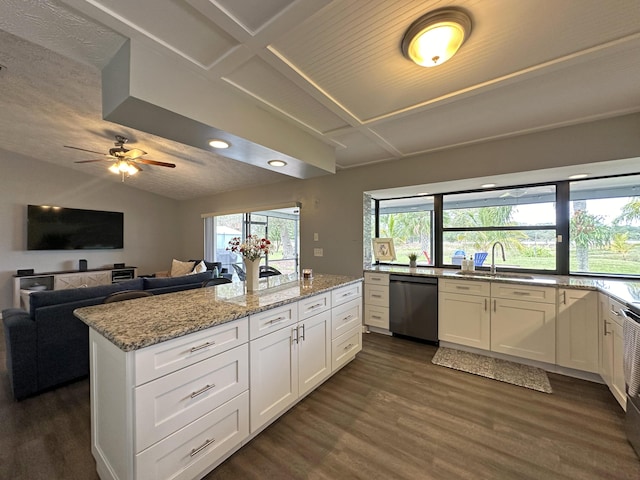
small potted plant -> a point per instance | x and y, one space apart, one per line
413 257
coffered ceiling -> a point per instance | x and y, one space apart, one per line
311 81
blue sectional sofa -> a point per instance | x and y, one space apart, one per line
48 346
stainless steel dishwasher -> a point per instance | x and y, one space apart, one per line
413 306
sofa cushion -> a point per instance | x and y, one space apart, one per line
179 268
163 282
55 297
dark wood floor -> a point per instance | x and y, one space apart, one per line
390 414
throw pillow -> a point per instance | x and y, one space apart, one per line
200 267
179 268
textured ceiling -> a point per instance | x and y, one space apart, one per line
331 69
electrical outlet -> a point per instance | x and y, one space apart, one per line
317 252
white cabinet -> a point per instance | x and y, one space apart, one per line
463 313
577 329
181 413
376 300
65 280
289 362
517 320
524 329
523 321
612 347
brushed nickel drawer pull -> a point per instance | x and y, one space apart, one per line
485 304
348 347
376 278
295 339
516 292
206 388
462 288
376 295
206 443
348 294
377 317
347 318
315 306
277 320
200 347
301 335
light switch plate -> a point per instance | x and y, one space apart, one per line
317 252
315 237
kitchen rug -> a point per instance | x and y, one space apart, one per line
494 368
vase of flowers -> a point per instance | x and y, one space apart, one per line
252 251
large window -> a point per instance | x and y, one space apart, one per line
583 227
409 221
280 226
605 226
522 219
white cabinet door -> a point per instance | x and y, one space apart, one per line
577 330
464 319
617 383
376 316
273 375
314 351
524 329
606 342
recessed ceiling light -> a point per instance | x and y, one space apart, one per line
578 175
435 37
216 143
422 193
488 185
277 163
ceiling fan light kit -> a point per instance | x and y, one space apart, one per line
124 161
436 36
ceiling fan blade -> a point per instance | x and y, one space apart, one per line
155 162
85 150
98 160
134 153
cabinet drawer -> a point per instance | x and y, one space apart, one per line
523 292
376 316
613 311
192 451
376 278
345 347
344 294
175 400
271 320
314 305
345 317
376 295
469 287
167 357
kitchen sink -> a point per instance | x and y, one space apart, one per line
500 275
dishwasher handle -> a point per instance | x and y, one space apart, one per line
413 279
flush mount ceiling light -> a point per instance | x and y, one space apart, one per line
435 37
216 143
277 163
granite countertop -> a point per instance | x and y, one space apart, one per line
625 291
141 322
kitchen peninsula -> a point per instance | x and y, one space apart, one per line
181 381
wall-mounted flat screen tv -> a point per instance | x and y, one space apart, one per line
57 228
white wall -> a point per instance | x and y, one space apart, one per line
332 205
151 223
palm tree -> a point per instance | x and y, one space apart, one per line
630 212
586 230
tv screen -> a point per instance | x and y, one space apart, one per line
57 228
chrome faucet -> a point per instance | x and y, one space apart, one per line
493 252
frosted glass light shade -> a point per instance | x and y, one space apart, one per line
435 37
